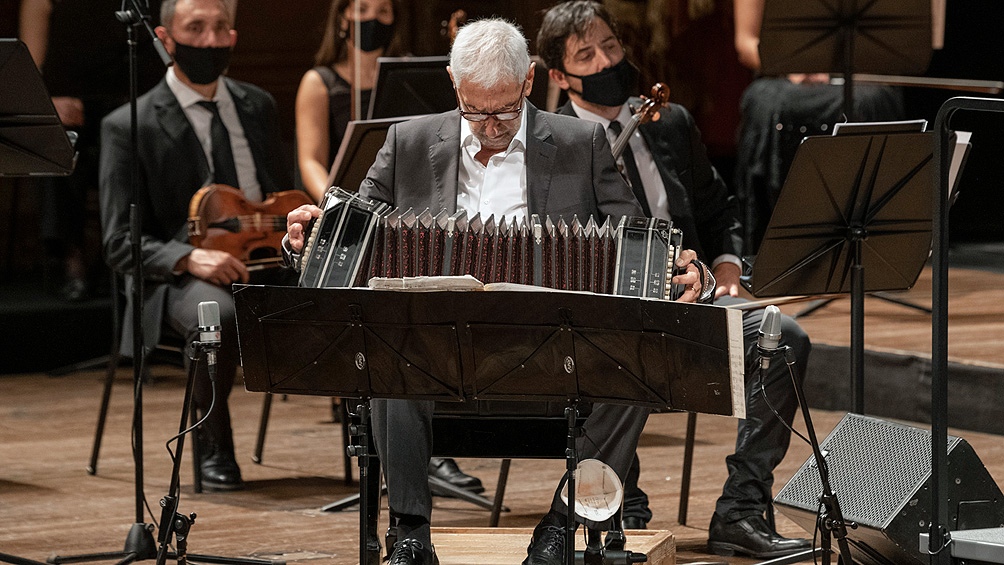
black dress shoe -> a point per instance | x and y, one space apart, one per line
413 552
751 536
547 546
220 471
447 470
634 523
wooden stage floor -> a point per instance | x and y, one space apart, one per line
50 505
975 319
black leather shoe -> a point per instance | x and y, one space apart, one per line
547 546
753 537
413 552
220 471
634 523
447 470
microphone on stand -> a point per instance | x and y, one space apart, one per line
770 335
209 333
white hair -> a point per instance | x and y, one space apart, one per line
489 52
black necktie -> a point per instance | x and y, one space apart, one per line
224 170
633 178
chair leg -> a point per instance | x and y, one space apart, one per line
688 463
113 362
106 395
259 444
493 521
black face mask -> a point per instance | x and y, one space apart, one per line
202 65
609 87
373 35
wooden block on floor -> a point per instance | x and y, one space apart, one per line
505 546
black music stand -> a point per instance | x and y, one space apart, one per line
406 86
33 142
868 36
474 346
360 145
854 216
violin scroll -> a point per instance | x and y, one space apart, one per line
651 105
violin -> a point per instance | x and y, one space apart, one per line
648 112
220 217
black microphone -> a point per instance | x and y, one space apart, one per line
770 335
209 333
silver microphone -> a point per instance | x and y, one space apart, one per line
770 335
209 333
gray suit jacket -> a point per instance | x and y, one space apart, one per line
172 167
569 168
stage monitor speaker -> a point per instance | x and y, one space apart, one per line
881 473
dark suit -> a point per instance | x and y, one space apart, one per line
700 205
172 167
569 170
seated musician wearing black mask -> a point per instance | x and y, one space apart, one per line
498 155
182 124
578 42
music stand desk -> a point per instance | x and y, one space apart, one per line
358 150
818 36
33 141
410 85
491 345
854 215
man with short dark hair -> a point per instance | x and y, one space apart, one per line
195 128
668 167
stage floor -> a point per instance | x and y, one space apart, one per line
50 505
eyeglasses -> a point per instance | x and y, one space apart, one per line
500 116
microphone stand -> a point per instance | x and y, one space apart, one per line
173 522
830 522
139 541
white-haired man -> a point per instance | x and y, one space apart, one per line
498 155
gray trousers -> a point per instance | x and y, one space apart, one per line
402 431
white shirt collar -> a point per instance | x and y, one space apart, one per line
471 143
623 116
188 97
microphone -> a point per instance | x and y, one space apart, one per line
770 335
209 333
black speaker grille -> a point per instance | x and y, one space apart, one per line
875 467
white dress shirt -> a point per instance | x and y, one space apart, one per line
201 119
655 190
498 188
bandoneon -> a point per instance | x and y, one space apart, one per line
355 239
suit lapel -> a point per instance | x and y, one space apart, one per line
176 126
540 155
444 156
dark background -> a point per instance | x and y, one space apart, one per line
685 43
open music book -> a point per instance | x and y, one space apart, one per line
426 284
462 283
